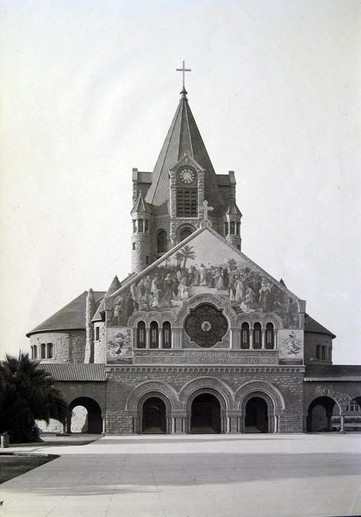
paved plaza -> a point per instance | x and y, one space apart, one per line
192 475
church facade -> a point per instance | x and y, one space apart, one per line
198 338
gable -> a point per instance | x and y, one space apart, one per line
204 263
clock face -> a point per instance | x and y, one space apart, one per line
187 175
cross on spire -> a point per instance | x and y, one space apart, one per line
183 70
206 208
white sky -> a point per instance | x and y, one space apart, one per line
89 89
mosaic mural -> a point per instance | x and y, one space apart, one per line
119 345
204 266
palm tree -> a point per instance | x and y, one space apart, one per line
187 253
28 394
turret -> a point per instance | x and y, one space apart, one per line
232 217
141 237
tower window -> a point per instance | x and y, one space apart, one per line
133 246
233 225
238 228
96 333
147 260
140 226
134 226
318 351
146 225
187 202
225 228
42 351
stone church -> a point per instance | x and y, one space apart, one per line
198 338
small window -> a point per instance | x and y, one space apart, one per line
134 226
43 351
233 226
146 225
245 336
269 336
238 229
225 228
49 350
318 351
323 353
147 260
154 337
257 336
140 226
185 233
141 335
97 333
167 335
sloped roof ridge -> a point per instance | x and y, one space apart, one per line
311 325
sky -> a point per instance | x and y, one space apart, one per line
89 89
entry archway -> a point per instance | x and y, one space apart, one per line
205 414
320 413
256 418
84 416
154 420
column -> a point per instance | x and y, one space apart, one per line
342 423
263 339
147 337
160 336
251 338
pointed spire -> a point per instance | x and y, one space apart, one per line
140 205
233 208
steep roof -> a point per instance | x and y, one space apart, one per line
183 137
70 317
313 326
114 286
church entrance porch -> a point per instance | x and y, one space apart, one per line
205 414
84 416
154 416
256 420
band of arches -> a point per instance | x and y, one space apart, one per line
257 338
324 353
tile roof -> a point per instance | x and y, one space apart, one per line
312 325
70 317
75 371
332 373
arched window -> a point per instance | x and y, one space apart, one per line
140 226
141 335
257 336
233 228
42 351
238 231
245 336
270 336
185 233
34 352
323 353
225 228
162 244
167 335
318 351
154 337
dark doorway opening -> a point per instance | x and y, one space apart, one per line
206 414
320 415
154 416
256 416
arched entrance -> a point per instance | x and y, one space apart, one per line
256 419
320 413
85 416
154 416
205 414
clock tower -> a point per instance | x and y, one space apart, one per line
168 203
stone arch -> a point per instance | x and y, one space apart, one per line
155 388
265 391
147 317
321 413
206 385
94 420
185 228
252 388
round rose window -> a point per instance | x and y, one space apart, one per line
206 325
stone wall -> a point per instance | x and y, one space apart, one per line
68 346
313 339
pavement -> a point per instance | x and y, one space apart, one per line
191 476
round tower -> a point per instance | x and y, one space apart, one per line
141 238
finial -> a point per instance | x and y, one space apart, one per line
183 70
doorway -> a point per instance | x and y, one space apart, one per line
206 414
